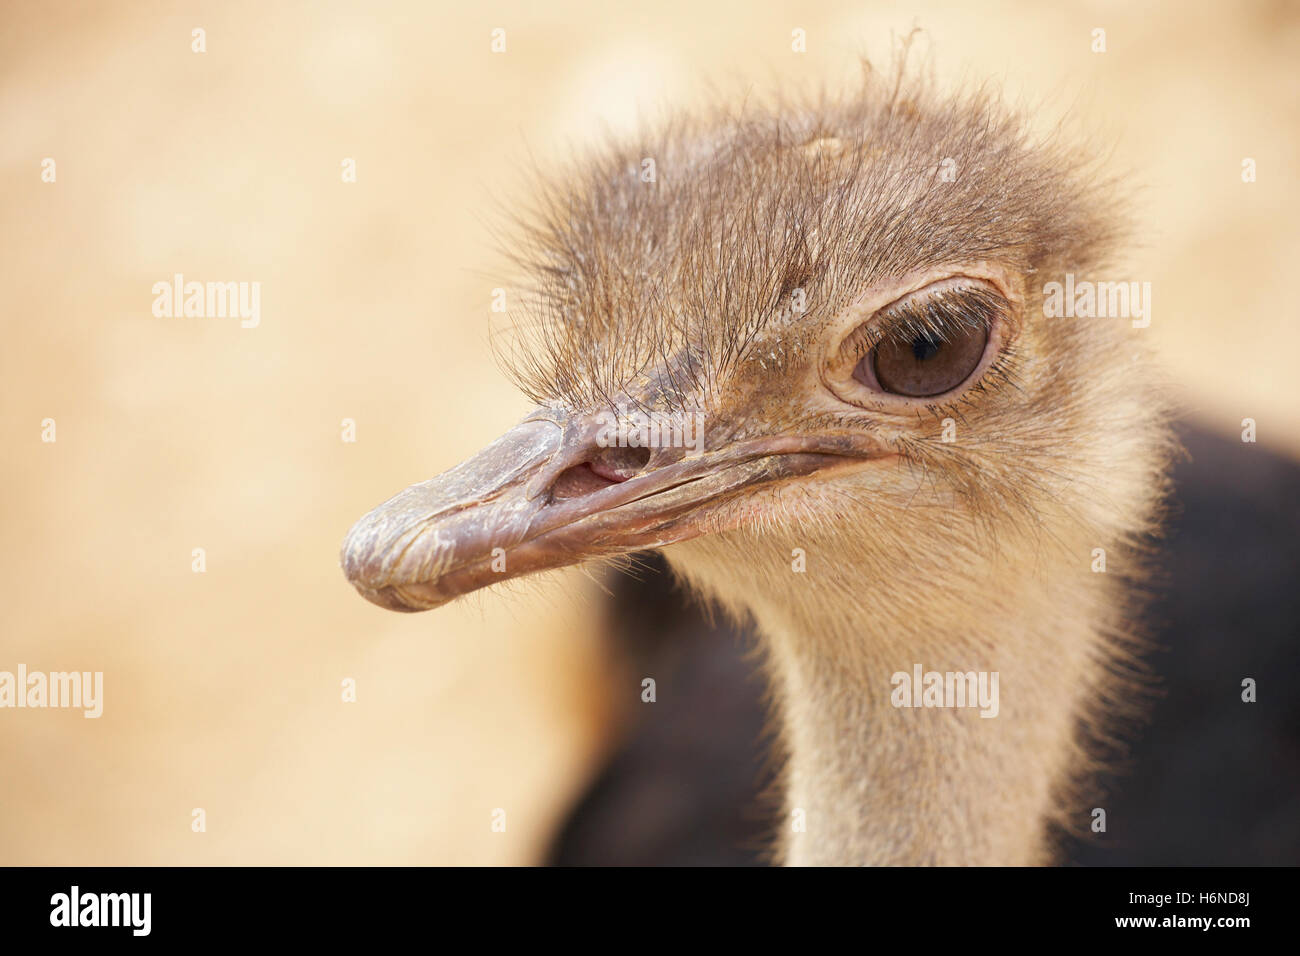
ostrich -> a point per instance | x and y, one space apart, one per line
875 447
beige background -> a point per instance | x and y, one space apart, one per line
223 688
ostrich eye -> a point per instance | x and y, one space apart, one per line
932 340
923 363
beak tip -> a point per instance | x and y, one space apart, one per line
352 555
366 568
388 598
357 561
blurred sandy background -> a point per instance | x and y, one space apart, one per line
223 688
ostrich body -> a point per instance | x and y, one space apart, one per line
902 461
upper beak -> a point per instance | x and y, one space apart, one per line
546 494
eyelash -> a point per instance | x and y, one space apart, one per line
902 321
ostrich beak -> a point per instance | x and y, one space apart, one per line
547 494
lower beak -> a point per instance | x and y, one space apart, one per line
546 494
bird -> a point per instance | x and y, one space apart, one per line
801 347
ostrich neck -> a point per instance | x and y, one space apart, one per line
868 782
884 784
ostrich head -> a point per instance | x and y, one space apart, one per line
802 349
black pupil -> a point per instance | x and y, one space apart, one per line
924 347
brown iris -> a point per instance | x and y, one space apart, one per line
923 363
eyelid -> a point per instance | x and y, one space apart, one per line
862 340
893 317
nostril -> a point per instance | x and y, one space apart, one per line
578 481
620 464
609 466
